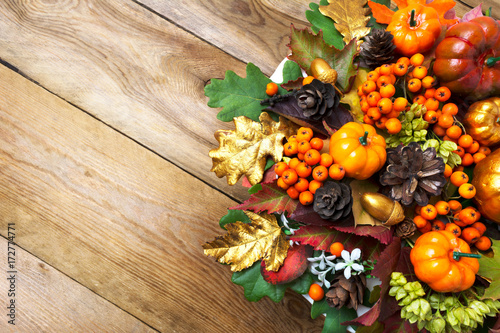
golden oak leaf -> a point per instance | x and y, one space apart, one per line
350 17
245 243
244 151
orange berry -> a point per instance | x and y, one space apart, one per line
292 164
393 126
465 141
291 148
320 173
414 85
419 221
382 80
428 82
374 114
417 59
290 176
426 228
479 226
372 76
459 151
306 198
316 143
316 292
478 157
292 192
400 104
336 171
484 150
428 212
400 69
419 99
393 114
304 146
336 249
442 94
314 185
368 120
432 104
442 207
468 215
419 72
271 88
282 184
470 235
304 134
381 122
301 185
384 105
280 167
473 148
438 130
431 117
454 131
307 80
303 170
326 160
404 60
429 92
437 225
483 243
387 90
386 69
369 86
467 159
458 178
450 108
312 157
373 98
467 191
447 171
445 121
300 156
455 206
453 228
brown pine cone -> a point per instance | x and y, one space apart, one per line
405 228
348 292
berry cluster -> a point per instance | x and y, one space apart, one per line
307 168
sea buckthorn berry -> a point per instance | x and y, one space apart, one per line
336 172
292 192
316 292
373 98
465 141
400 104
428 212
304 146
454 131
484 150
280 167
432 104
467 216
453 228
470 235
290 176
419 72
419 99
387 90
404 60
437 225
442 94
292 164
293 138
442 207
478 157
450 108
445 121
271 89
459 151
314 185
479 226
301 185
429 93
336 249
303 170
369 86
428 82
384 105
458 178
393 126
467 159
282 184
455 206
374 114
320 173
467 191
386 69
316 143
304 134
431 117
473 148
372 76
447 171
306 198
291 148
307 80
414 85
419 221
312 157
326 160
483 243
383 79
417 59
400 69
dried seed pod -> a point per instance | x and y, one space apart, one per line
382 208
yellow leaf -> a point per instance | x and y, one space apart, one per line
350 17
245 243
244 151
352 97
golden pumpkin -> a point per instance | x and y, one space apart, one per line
482 121
486 180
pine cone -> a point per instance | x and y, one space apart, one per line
378 48
346 292
413 174
317 99
333 201
405 229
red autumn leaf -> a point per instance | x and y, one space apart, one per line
269 177
381 13
321 238
293 267
395 324
271 199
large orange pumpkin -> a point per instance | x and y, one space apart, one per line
432 259
359 149
486 180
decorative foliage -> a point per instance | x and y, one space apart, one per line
489 269
271 199
350 17
245 243
334 317
244 151
320 22
294 266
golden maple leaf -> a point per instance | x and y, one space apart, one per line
349 16
244 151
245 243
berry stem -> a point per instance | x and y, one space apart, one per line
490 62
458 255
278 98
364 139
413 22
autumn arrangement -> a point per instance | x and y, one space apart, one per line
372 166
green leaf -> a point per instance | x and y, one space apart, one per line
291 71
334 317
256 287
331 35
254 189
489 268
233 215
239 96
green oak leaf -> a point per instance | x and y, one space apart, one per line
334 318
306 47
233 215
239 96
321 22
256 287
489 268
291 71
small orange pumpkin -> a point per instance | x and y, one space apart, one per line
482 121
432 258
359 149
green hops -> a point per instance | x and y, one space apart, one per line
413 127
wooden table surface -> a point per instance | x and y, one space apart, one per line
105 182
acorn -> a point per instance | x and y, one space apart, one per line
382 208
322 71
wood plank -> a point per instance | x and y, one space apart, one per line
120 220
126 66
45 300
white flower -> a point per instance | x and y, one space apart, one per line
350 263
321 265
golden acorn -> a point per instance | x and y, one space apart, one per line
322 71
382 208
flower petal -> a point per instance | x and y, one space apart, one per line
358 267
355 254
345 255
347 272
340 265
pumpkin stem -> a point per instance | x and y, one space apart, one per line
364 139
458 255
413 22
488 12
492 61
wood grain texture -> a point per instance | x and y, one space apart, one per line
48 301
126 66
120 220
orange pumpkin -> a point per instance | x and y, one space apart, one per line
415 29
482 121
432 258
359 149
486 180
